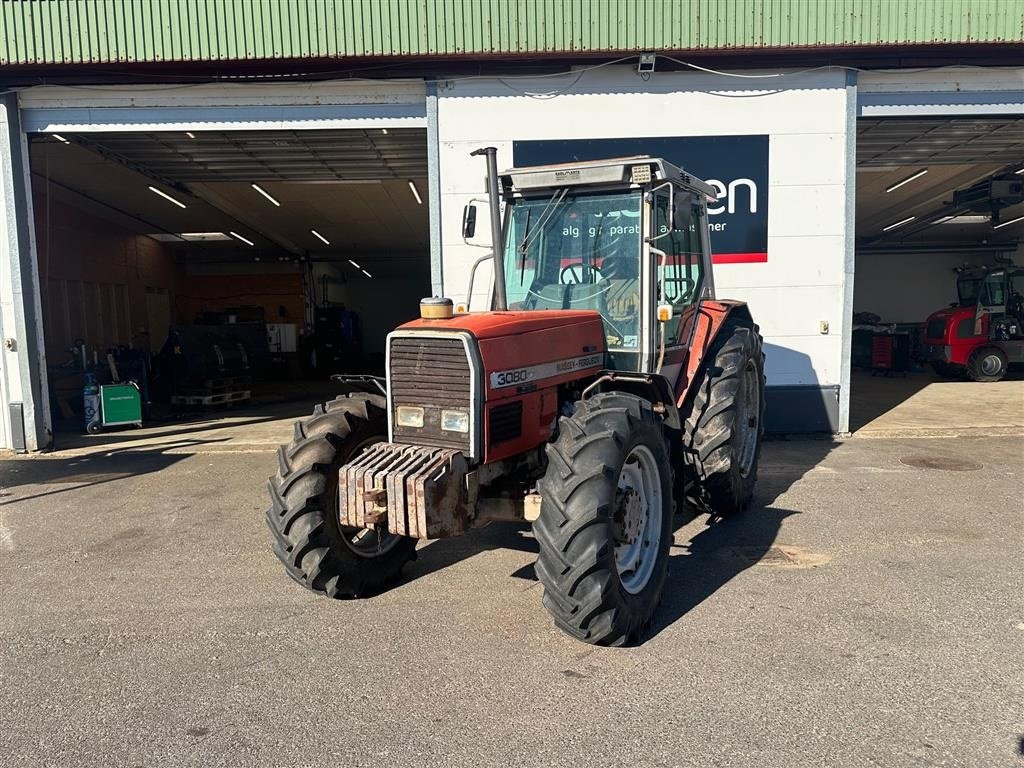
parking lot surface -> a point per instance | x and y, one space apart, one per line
866 611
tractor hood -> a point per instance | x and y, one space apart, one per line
489 325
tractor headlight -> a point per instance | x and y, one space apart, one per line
409 416
455 421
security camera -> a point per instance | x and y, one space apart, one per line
646 63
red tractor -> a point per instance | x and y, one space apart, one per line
605 388
982 336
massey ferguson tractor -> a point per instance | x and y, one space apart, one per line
981 337
604 389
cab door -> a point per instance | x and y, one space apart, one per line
681 277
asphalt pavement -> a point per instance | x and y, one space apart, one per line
867 611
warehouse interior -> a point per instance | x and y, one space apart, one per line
926 208
215 270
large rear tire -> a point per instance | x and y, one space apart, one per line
723 421
605 522
309 540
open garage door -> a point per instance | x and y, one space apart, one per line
216 266
939 225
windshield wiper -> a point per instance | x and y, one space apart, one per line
544 218
523 246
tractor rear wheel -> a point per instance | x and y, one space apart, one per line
987 364
605 522
723 421
316 550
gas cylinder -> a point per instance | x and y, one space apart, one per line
91 404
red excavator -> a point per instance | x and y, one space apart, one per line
603 389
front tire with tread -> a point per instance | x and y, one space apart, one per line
987 364
308 538
576 531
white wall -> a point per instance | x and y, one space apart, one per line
907 288
805 117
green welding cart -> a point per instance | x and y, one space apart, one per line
120 404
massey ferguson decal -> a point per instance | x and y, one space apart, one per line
510 378
736 166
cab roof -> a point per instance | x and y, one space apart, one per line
615 170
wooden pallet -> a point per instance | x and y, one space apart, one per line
221 398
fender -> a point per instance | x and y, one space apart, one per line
711 316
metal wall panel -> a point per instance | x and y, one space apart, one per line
130 31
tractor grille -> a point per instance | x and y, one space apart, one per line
432 373
936 329
505 422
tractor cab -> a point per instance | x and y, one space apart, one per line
626 238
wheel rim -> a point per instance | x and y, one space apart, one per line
638 518
991 365
748 429
365 542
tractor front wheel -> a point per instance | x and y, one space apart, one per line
316 550
987 364
605 522
724 421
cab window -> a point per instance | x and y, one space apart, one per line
681 277
573 250
993 290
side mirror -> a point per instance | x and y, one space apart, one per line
468 221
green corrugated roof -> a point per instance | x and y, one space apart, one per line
132 31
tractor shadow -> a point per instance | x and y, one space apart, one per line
700 567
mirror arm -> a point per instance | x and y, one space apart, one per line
472 278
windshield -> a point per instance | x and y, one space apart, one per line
968 287
573 250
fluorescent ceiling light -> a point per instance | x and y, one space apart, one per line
200 237
165 237
245 240
58 137
366 273
1018 173
1008 223
899 223
970 218
320 237
266 194
415 192
190 134
907 180
354 264
165 196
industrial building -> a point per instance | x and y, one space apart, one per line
304 166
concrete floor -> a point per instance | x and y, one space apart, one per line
866 611
922 405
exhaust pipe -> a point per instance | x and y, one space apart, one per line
494 200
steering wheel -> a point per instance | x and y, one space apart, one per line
678 289
573 274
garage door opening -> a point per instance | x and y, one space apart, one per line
225 268
939 217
